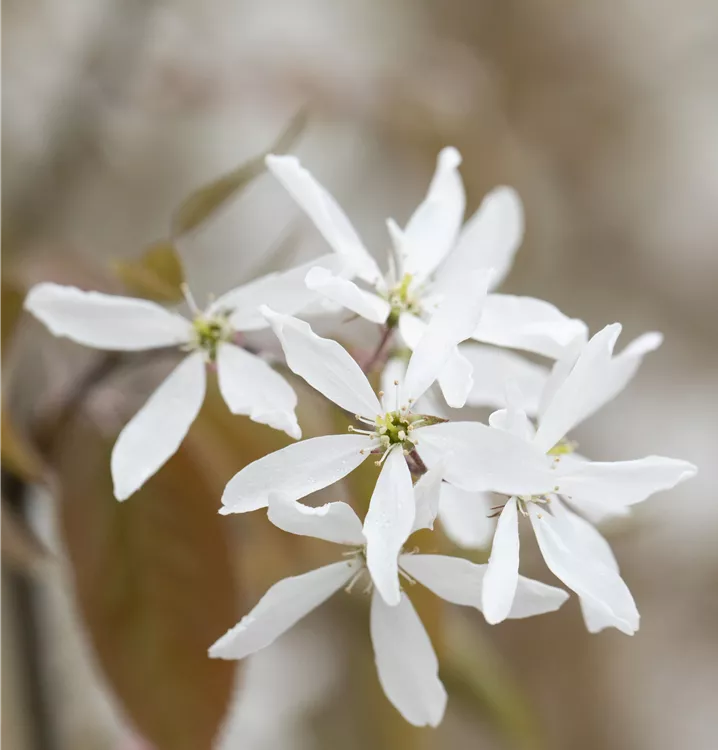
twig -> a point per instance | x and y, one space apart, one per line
379 356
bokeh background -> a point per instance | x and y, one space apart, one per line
603 115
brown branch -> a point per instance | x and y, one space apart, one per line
379 356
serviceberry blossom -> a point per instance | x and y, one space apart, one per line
466 517
425 261
553 487
405 660
248 384
391 430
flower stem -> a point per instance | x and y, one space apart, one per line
380 355
416 464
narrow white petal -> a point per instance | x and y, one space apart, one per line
452 323
453 579
333 522
574 399
406 663
502 574
559 372
433 228
154 434
325 364
295 471
492 368
618 484
456 379
514 421
427 493
285 292
106 321
347 294
580 388
535 598
465 516
461 582
489 239
325 212
287 602
250 386
584 571
394 370
411 329
527 323
482 458
388 524
595 616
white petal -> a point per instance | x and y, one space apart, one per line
489 239
465 516
427 492
482 458
596 617
456 379
388 524
285 292
326 214
619 484
461 582
527 323
406 663
453 579
452 323
154 434
514 421
574 399
333 522
502 574
394 370
325 364
250 386
559 372
582 570
535 598
432 230
595 378
287 602
411 329
106 321
492 368
349 295
295 471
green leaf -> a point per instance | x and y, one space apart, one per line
157 274
201 204
154 585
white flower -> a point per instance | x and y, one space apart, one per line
543 481
405 660
427 259
392 427
466 517
247 383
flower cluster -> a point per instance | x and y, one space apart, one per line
446 341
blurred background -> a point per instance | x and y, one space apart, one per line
604 116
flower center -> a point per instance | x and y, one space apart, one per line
209 332
402 299
395 428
